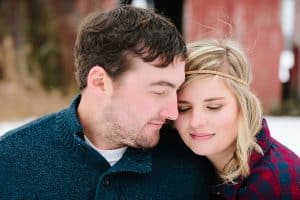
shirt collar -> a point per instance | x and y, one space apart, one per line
264 141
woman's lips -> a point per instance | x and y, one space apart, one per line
202 136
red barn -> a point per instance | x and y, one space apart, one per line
256 24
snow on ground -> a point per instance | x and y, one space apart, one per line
8 125
285 129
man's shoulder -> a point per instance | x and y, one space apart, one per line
172 157
172 147
27 135
169 135
28 148
170 139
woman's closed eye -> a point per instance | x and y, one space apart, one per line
214 107
182 109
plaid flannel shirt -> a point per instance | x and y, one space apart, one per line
274 175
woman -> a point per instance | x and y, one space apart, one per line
220 118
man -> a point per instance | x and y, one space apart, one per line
129 64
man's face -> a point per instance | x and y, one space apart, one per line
141 102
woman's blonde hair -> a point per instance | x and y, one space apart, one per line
226 58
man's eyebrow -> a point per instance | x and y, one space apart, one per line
163 83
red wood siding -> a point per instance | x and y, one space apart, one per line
256 24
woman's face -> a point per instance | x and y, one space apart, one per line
208 117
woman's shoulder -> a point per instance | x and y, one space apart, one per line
277 172
281 159
276 159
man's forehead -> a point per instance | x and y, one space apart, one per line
150 74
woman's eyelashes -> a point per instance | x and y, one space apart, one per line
214 107
182 109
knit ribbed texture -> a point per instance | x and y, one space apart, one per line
48 159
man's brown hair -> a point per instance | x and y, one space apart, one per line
108 38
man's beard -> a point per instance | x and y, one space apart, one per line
121 136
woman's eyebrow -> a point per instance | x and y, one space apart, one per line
214 99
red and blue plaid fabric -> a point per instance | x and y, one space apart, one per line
274 175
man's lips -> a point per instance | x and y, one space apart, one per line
158 123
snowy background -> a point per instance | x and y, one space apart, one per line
284 129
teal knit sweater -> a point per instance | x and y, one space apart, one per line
49 159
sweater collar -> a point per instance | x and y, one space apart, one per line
70 131
135 160
67 122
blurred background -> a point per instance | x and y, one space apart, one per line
37 39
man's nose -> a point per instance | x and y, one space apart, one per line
170 111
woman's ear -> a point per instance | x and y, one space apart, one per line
99 81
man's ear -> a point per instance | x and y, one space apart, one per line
98 80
